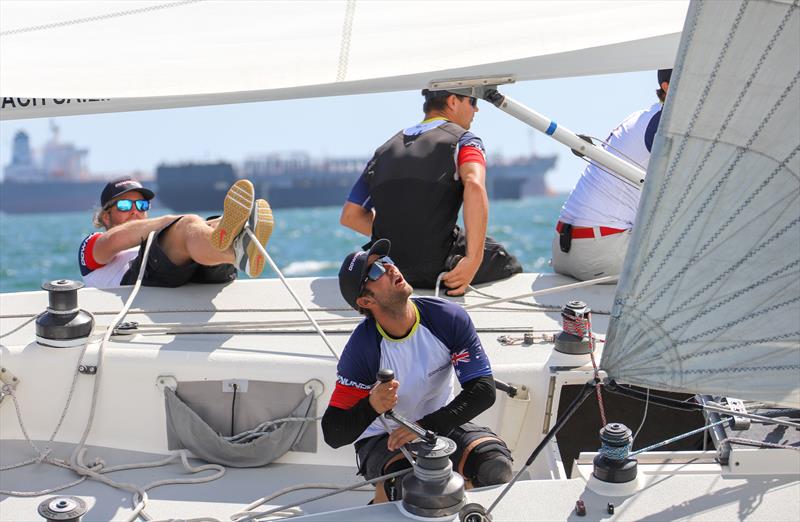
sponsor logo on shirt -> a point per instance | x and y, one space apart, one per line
440 369
344 381
82 253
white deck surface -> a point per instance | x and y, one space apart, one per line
253 330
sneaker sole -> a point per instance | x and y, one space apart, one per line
235 212
264 223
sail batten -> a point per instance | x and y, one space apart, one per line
709 299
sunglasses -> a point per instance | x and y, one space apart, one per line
472 101
126 205
377 269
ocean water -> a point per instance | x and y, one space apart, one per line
306 242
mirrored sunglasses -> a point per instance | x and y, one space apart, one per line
126 205
378 268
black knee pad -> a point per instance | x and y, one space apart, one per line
489 463
494 468
394 486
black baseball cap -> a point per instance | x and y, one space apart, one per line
664 75
120 186
354 270
430 95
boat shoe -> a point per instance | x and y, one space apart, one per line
249 258
235 212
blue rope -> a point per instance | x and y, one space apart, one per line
678 437
615 452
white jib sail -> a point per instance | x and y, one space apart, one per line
77 57
709 299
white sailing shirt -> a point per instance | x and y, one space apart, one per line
601 199
97 275
441 345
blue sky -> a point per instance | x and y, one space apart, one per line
339 126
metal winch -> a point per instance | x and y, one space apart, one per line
433 490
574 339
62 509
612 463
63 324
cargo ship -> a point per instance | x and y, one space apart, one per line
291 180
58 181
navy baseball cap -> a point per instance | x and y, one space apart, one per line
353 272
120 186
664 75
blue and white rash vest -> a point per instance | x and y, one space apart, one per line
441 344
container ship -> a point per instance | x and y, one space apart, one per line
58 181
292 180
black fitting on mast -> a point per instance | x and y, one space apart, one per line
494 97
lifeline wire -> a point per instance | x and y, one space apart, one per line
277 270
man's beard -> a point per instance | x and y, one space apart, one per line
395 302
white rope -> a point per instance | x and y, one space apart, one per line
644 417
438 284
244 516
97 18
277 270
347 33
545 291
266 427
290 489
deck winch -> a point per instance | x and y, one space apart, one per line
62 509
433 490
574 339
612 463
63 324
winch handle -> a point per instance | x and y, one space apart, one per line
509 389
387 375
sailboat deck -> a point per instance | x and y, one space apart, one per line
253 330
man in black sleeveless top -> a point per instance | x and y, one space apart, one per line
412 190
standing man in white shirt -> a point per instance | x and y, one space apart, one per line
595 223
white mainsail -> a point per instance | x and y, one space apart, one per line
709 299
71 57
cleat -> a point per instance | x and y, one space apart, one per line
235 212
249 258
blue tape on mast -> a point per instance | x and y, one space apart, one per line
551 129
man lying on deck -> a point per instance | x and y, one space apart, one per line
424 341
186 247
